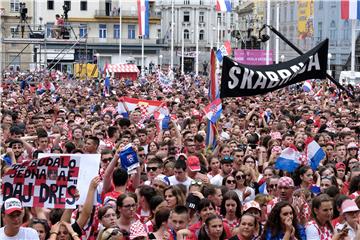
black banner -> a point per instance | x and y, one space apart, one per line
244 80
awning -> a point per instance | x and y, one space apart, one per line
123 68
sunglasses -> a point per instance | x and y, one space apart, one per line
106 160
198 183
153 169
226 158
272 186
230 181
239 177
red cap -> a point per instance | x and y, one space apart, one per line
12 205
340 165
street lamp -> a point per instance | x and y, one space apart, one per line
97 62
160 59
282 57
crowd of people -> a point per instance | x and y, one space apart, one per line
185 188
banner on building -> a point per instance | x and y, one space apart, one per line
305 14
52 180
244 80
252 56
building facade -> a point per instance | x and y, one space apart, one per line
194 21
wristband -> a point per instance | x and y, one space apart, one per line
56 233
74 235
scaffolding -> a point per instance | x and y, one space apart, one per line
42 46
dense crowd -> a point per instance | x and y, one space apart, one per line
185 188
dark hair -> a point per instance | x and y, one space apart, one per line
120 199
69 147
95 140
102 211
111 131
120 177
274 224
177 192
231 195
300 171
203 234
316 203
209 190
55 215
155 201
15 141
161 216
180 209
338 200
43 222
147 192
354 184
124 122
180 164
204 203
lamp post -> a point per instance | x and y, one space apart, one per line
97 62
329 62
182 51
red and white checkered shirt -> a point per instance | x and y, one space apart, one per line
314 231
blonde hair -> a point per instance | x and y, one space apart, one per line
106 233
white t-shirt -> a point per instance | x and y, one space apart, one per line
217 180
174 181
248 198
23 234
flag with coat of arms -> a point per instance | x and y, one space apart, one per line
213 110
224 50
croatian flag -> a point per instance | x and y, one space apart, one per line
350 9
307 87
224 50
214 93
223 6
144 14
163 118
146 107
213 110
314 153
288 159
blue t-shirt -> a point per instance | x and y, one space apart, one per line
280 236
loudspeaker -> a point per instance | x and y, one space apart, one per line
37 35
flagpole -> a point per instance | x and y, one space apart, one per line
172 36
182 51
217 43
268 32
353 41
277 37
197 44
120 35
142 56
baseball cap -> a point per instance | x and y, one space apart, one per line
163 178
193 163
349 206
340 165
286 182
12 205
192 201
352 145
251 204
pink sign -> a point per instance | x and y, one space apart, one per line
252 56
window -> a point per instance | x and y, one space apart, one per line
83 6
333 37
50 4
14 5
68 4
346 30
13 31
201 35
201 17
186 34
102 31
201 2
15 65
116 31
320 30
82 30
186 16
159 33
131 31
321 4
186 2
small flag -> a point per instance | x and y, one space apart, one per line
213 110
223 6
350 9
307 87
288 159
129 159
224 50
314 153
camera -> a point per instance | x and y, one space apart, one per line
23 11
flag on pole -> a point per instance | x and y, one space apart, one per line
350 9
314 153
213 110
307 87
143 14
224 50
223 6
